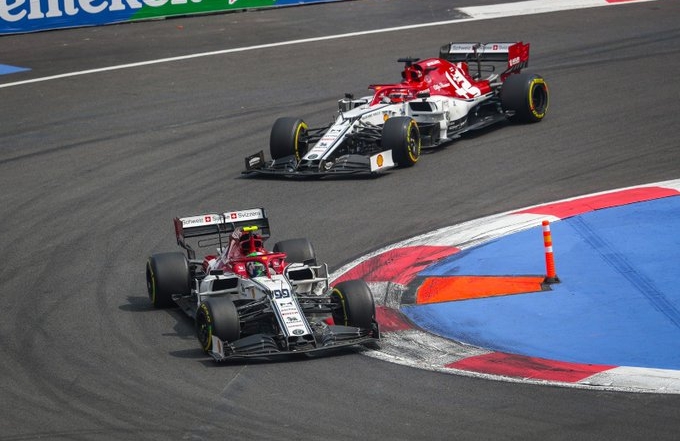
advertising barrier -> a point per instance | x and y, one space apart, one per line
21 16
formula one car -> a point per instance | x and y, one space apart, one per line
250 302
437 100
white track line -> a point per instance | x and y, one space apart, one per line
476 13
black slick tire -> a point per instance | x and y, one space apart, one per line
288 138
526 95
401 135
167 274
217 317
356 306
297 251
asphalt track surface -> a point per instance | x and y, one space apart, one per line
94 167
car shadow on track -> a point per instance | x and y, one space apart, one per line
137 304
264 360
351 177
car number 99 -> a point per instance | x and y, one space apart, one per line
281 293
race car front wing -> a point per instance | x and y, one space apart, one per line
289 167
264 345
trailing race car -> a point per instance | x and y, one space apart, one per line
438 100
250 302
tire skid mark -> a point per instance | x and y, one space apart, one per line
622 266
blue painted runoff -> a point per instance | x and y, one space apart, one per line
617 302
7 69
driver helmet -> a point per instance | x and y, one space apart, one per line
255 269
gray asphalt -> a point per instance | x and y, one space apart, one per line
94 167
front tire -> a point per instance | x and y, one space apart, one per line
401 135
288 138
167 274
356 304
217 317
527 96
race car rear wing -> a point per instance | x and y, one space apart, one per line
214 224
516 54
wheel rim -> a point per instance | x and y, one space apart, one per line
339 316
203 330
300 139
538 98
413 142
150 283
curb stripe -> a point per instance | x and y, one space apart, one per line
570 208
500 363
400 265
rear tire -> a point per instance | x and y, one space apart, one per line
401 135
288 138
217 317
297 251
357 307
527 95
167 274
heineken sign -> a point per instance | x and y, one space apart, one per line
17 16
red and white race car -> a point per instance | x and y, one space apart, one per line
468 87
248 301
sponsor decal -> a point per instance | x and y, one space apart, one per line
241 215
439 86
372 114
463 87
199 220
253 162
319 148
18 16
460 48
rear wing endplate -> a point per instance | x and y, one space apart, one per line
219 224
516 54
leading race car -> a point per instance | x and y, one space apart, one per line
468 87
250 302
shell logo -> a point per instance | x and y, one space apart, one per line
379 160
